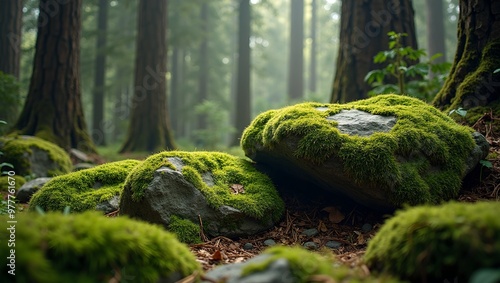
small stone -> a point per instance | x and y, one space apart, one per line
333 244
269 242
311 245
310 232
248 246
367 227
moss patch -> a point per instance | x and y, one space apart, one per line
259 200
431 243
89 247
17 148
424 149
305 264
4 182
187 231
84 189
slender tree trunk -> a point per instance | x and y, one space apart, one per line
472 81
243 81
312 66
174 92
203 70
363 33
53 109
296 59
149 128
98 131
11 15
435 29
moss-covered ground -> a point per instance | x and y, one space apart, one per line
89 247
83 190
421 160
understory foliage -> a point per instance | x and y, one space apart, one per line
418 79
433 243
89 247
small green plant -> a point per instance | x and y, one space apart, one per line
420 79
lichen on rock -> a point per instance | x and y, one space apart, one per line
32 156
89 247
434 243
88 189
226 192
419 155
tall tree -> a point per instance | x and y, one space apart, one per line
203 68
11 13
472 80
53 109
242 119
296 59
312 63
435 29
363 33
98 131
149 128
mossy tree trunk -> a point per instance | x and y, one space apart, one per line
149 128
53 109
363 33
472 81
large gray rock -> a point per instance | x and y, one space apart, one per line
231 198
25 192
382 152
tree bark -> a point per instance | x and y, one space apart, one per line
242 119
312 55
53 109
296 59
149 128
363 33
98 129
472 81
11 14
435 29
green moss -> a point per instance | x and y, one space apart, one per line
305 264
83 190
15 149
4 182
89 247
187 231
403 160
260 199
431 243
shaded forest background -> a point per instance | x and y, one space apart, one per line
202 61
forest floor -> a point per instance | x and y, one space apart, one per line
341 225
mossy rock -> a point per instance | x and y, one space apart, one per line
415 155
292 264
89 247
4 182
226 192
32 156
89 189
430 244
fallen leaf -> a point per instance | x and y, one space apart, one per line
322 226
237 189
217 255
334 215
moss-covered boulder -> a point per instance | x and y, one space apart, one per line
89 247
32 156
382 152
429 244
290 265
178 189
6 183
97 188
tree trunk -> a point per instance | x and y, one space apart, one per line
53 109
363 33
435 29
11 14
149 128
312 66
296 59
175 107
242 119
472 81
203 70
98 131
